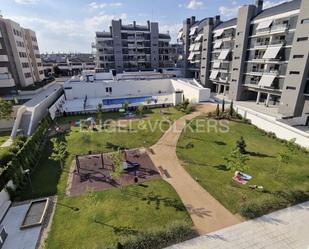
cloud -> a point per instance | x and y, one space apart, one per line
173 30
269 4
195 4
26 1
228 11
67 35
95 5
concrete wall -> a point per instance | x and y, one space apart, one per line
116 28
270 124
119 89
193 93
154 43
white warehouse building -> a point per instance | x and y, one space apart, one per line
83 94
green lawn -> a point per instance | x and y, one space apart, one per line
4 136
120 213
205 161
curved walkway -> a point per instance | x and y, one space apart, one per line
207 213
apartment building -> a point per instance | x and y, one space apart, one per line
132 47
261 56
69 64
20 62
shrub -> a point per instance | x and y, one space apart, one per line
157 238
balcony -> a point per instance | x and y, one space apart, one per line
273 29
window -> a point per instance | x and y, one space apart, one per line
27 75
205 39
305 21
235 69
108 89
302 39
290 88
298 56
233 80
236 58
236 46
294 72
239 33
25 65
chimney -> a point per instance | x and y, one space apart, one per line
134 24
259 6
192 19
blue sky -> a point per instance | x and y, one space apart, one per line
70 25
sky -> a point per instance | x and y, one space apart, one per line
70 25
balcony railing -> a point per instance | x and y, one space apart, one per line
274 28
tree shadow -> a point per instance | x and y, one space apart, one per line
200 212
115 147
257 154
119 230
157 200
221 167
219 143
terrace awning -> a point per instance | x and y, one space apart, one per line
218 44
179 35
267 80
218 32
264 25
193 30
198 38
223 54
191 48
271 52
213 74
197 46
216 64
191 55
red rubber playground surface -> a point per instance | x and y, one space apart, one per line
95 172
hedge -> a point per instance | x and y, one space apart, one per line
173 233
25 155
273 202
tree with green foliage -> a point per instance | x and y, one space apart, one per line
217 111
237 160
231 110
118 165
6 109
241 145
223 105
140 110
92 204
125 105
282 158
148 102
100 113
59 151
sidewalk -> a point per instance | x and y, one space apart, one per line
287 228
206 212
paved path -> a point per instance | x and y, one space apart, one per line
207 213
287 228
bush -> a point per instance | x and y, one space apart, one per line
276 201
157 238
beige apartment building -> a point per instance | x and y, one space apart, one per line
20 61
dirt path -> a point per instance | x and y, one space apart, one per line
207 213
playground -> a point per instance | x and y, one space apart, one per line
94 171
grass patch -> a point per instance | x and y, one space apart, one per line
120 213
205 161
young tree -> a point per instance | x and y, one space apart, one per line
148 103
6 109
125 105
217 111
100 113
92 204
237 160
118 165
140 110
241 145
59 151
223 105
231 110
282 158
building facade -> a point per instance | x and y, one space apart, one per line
20 61
262 56
132 47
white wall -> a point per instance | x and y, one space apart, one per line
193 93
270 124
119 89
56 106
